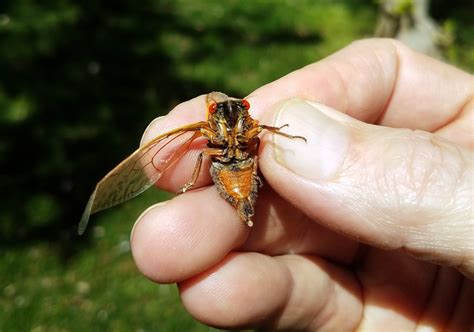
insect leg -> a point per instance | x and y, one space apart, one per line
255 171
277 130
197 168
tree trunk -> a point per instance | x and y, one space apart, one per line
409 22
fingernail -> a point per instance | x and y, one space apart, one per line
327 140
146 134
142 215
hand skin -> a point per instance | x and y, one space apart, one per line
368 226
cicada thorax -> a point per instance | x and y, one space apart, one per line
237 182
234 172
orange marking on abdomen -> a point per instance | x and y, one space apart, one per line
237 183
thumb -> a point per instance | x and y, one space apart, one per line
390 188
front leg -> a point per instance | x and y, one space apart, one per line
276 130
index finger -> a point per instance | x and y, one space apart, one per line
375 80
378 81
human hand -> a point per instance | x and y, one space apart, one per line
368 226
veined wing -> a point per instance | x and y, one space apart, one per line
140 170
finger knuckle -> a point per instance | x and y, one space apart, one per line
423 171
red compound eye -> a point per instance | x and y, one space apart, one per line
212 108
246 104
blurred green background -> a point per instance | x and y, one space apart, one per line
80 81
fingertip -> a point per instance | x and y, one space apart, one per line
174 241
187 112
142 216
150 130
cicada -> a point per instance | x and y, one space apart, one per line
232 146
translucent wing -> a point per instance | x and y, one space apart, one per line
140 170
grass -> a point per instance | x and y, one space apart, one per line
99 289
